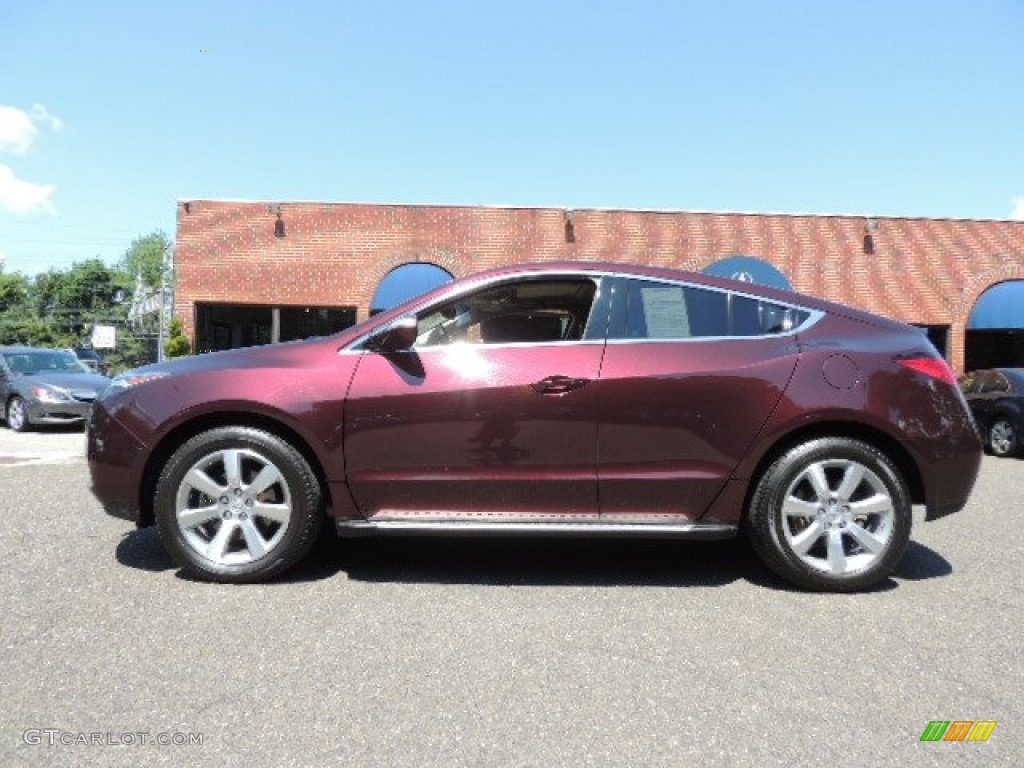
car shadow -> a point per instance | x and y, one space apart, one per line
568 562
56 429
534 561
141 549
530 562
921 563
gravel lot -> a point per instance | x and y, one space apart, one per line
489 653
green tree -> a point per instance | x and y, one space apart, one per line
75 299
178 344
31 331
58 308
145 256
14 290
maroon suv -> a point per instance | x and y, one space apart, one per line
556 399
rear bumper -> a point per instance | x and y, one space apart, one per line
949 483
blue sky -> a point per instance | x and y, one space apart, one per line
862 107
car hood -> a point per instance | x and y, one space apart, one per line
72 382
281 355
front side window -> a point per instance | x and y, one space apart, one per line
525 312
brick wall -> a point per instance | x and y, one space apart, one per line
928 271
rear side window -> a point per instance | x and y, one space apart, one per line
664 311
757 317
668 311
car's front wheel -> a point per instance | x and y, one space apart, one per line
1002 437
237 504
831 515
17 415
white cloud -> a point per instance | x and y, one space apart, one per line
1018 208
18 128
17 132
23 197
41 114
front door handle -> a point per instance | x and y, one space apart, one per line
558 385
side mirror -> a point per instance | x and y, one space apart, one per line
399 336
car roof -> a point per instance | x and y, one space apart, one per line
663 273
20 350
562 268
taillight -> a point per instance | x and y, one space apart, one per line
935 367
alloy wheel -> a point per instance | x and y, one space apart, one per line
837 516
233 506
17 416
1002 437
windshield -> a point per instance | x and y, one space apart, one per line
44 361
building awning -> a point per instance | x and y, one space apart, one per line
749 270
1000 307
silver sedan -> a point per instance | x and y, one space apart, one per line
46 386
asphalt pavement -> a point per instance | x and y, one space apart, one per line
56 445
429 652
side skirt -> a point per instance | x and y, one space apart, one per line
354 528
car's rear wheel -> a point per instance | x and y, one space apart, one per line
831 515
1002 438
237 504
17 415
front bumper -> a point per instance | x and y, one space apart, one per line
64 412
116 458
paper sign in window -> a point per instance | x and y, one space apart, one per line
665 312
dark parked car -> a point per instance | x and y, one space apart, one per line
46 386
92 359
996 398
557 399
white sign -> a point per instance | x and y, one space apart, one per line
104 337
665 312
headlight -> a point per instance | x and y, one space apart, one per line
50 395
129 379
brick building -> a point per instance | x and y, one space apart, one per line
253 272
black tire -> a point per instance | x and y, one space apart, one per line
858 518
243 533
17 415
1003 438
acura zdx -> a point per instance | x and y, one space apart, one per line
562 399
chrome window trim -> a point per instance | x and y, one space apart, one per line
814 315
504 345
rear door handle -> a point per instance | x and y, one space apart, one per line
558 385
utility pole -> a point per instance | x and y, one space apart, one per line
166 265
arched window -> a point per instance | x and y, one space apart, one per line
1000 307
407 282
995 328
